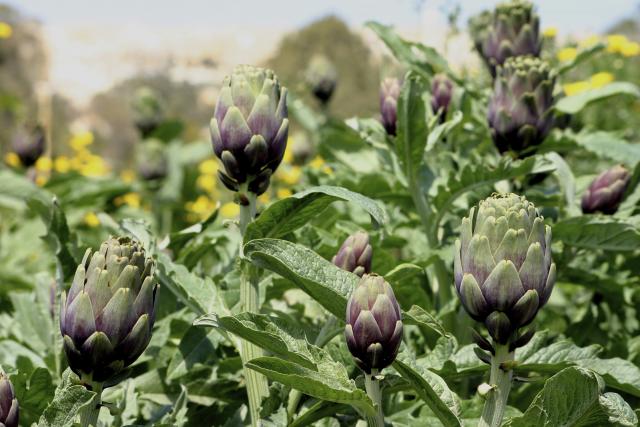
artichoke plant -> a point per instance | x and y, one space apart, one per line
513 30
107 317
520 111
389 94
147 111
355 254
9 409
374 324
151 159
606 191
441 94
249 128
322 77
29 145
502 264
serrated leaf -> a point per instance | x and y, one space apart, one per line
287 215
69 399
195 349
597 232
575 103
609 145
412 125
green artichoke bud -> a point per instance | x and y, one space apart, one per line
520 111
249 128
9 409
478 28
514 30
606 191
322 77
355 254
389 94
503 269
107 318
374 324
441 94
147 111
29 145
151 158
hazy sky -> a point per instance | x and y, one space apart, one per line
569 15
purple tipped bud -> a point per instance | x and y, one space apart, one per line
322 77
389 94
355 254
9 409
441 93
249 127
606 191
29 145
147 111
374 324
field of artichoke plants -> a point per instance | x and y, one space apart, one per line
470 256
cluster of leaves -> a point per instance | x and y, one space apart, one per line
409 193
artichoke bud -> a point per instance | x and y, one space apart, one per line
249 128
512 30
520 111
107 317
29 145
503 271
147 111
9 409
374 324
322 77
389 94
441 94
355 254
152 160
606 191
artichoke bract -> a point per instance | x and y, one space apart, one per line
147 111
514 30
606 191
107 318
503 270
441 94
389 94
322 77
151 159
249 128
374 324
355 254
29 145
9 409
520 111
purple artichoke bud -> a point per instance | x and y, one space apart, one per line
152 160
9 409
478 28
513 30
606 191
374 324
441 93
249 127
503 269
147 111
322 77
520 110
107 318
355 254
29 145
389 94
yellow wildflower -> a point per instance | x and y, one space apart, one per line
132 199
287 158
207 183
567 54
590 41
615 43
550 32
630 49
62 164
44 164
127 176
208 167
91 219
94 166
41 180
290 176
264 198
576 87
283 193
12 159
601 79
319 164
6 30
81 140
202 207
230 210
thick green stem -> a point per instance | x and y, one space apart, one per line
500 380
372 386
257 385
89 414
